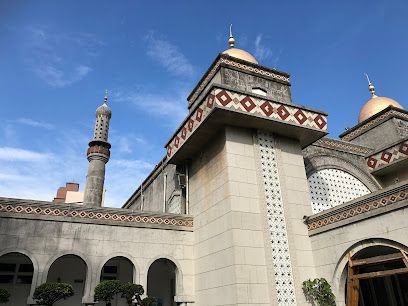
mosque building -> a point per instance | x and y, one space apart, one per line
251 199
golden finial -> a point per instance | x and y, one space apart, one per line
371 87
231 39
105 99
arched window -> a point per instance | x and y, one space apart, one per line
161 281
259 91
118 268
16 274
69 269
332 187
377 275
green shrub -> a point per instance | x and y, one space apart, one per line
131 291
148 301
4 296
49 293
106 290
318 292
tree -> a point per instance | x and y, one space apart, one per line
106 290
318 292
4 296
131 291
49 293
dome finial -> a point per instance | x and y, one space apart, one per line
105 99
371 87
231 39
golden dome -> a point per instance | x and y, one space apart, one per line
375 105
238 53
241 54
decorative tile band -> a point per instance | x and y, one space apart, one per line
226 99
388 156
232 63
362 129
94 215
284 284
357 210
95 149
342 146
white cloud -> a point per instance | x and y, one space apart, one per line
126 143
156 104
123 176
262 53
17 154
169 56
59 58
34 123
36 175
58 78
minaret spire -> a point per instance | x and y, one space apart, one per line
371 87
231 39
105 99
98 155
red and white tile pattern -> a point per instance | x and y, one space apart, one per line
94 215
342 214
388 156
225 99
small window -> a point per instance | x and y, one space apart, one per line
6 279
24 279
26 268
7 267
259 91
110 269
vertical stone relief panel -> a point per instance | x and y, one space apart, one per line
332 187
285 291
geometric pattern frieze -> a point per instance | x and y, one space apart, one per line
342 146
344 214
94 215
242 103
388 156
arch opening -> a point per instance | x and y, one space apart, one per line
161 281
16 275
377 275
70 269
118 268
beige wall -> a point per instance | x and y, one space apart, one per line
229 246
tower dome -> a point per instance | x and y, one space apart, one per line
104 109
238 53
375 105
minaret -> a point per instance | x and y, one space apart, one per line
98 155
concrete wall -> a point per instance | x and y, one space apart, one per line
153 193
45 241
383 134
229 241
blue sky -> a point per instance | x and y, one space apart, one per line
58 57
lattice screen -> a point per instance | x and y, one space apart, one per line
284 286
332 187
